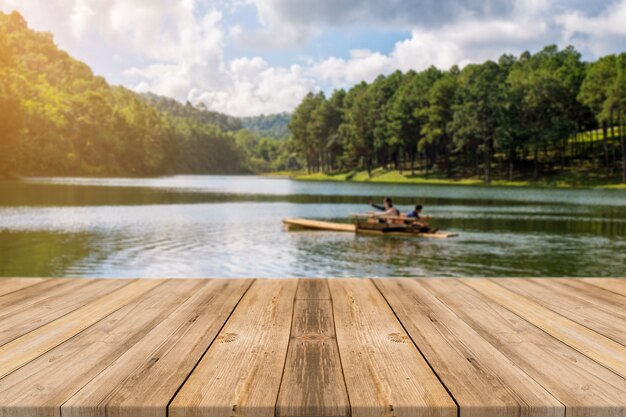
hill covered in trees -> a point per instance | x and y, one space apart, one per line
58 118
521 117
198 113
274 126
529 116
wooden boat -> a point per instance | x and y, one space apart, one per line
365 227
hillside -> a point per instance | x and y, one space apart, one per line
199 113
58 118
274 126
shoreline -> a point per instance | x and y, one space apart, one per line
394 177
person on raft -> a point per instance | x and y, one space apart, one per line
415 213
387 209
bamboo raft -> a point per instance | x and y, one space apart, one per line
323 348
363 227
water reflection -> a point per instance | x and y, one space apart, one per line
196 227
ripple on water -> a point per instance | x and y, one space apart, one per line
502 233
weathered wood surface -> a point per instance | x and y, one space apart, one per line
146 377
11 285
313 348
582 385
25 348
459 354
385 373
572 304
313 383
41 386
618 286
26 310
240 374
593 345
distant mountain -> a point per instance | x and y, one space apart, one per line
198 113
273 126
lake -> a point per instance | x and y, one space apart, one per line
222 226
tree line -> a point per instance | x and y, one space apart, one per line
58 118
522 116
274 126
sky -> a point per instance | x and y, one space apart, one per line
250 57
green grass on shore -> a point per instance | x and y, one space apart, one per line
395 177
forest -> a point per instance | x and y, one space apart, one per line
275 126
526 116
523 117
58 118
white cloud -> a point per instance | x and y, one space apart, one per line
457 43
254 87
179 48
600 33
292 22
363 65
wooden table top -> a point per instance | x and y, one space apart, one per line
315 348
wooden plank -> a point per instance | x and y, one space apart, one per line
483 381
320 225
240 374
313 383
586 388
9 285
384 372
591 293
145 378
31 345
566 302
312 289
599 348
616 285
42 386
346 227
33 294
19 318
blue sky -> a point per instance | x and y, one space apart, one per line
247 57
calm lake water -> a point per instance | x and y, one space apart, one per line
212 226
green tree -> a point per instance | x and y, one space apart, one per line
438 115
593 93
616 104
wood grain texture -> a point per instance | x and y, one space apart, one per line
313 348
9 285
597 347
578 288
43 306
312 289
384 372
583 386
483 381
145 378
33 294
566 302
31 345
241 372
616 285
42 386
313 383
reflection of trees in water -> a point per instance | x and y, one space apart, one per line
365 255
497 238
474 255
546 225
47 254
14 193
